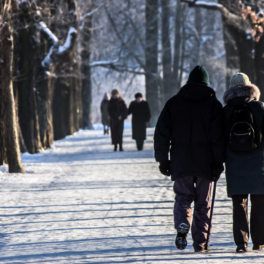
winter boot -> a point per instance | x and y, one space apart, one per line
120 147
181 238
115 148
258 247
241 248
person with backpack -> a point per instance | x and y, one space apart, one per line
243 120
140 111
190 127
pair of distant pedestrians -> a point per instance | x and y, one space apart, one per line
200 136
114 112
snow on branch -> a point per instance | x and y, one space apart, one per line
56 51
102 63
116 67
69 43
230 18
48 33
209 5
91 13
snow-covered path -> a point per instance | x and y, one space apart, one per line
82 203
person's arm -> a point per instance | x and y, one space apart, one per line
217 140
101 107
148 114
124 111
162 136
130 109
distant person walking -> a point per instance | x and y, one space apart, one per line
117 111
140 116
190 128
104 112
243 118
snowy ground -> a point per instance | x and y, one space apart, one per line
82 203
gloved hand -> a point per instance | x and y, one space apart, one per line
120 118
217 171
165 168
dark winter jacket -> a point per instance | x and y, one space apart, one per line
140 116
117 111
104 111
190 127
245 170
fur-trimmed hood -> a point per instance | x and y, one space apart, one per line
250 91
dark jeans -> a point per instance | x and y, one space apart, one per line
197 190
140 144
240 219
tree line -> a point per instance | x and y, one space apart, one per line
51 49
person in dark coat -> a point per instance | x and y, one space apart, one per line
104 112
190 127
140 116
117 111
245 170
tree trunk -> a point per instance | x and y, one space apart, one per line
11 135
151 54
67 102
26 52
169 89
177 46
86 71
196 51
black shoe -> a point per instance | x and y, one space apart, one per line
258 247
115 148
181 238
241 248
120 148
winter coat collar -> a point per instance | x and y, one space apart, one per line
250 91
196 91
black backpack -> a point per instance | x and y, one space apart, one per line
244 133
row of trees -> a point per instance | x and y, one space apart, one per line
53 50
44 85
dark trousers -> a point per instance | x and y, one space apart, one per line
197 190
241 222
140 144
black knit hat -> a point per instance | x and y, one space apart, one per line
199 75
138 95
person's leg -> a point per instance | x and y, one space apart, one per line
201 215
184 190
104 130
140 144
120 131
240 219
257 220
115 147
